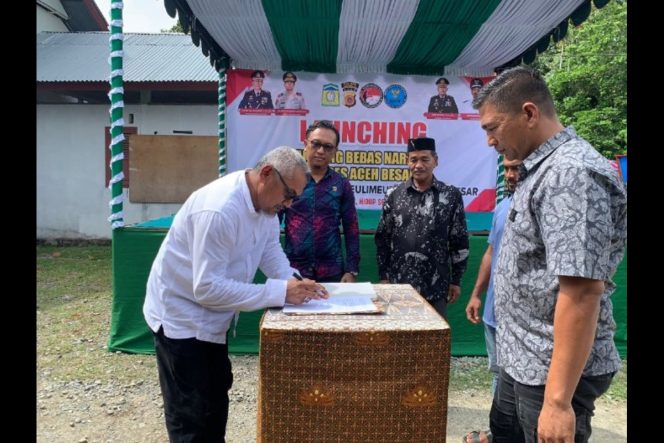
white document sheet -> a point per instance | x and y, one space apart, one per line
339 304
345 298
346 289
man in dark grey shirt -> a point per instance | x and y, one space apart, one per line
564 238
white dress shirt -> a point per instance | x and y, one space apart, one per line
204 268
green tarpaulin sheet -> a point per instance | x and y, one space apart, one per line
134 249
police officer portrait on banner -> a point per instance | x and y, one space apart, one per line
467 105
256 97
442 103
475 86
289 98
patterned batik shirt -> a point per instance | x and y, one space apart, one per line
568 217
422 239
313 241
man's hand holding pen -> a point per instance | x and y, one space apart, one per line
302 290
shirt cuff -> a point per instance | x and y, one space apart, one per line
275 291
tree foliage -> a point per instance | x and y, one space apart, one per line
587 75
177 27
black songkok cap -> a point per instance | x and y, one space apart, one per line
421 144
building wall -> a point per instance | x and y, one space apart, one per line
72 200
48 21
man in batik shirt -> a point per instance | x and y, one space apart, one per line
421 238
564 237
313 240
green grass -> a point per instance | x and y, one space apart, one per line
618 389
72 274
74 294
470 373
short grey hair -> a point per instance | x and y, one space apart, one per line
285 159
512 88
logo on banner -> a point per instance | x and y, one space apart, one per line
350 90
371 95
395 96
330 95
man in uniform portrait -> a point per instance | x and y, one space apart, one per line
289 99
467 105
256 97
443 103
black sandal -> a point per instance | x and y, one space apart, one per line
475 437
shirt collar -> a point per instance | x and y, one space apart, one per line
545 149
328 173
246 193
436 184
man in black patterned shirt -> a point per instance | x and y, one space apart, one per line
421 238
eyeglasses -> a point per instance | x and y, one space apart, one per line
328 147
289 194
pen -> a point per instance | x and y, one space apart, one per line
299 277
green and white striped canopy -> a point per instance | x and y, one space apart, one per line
428 37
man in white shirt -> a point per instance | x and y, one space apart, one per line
202 277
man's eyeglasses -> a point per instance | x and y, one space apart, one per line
328 147
289 194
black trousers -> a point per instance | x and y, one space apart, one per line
195 377
516 408
441 307
503 419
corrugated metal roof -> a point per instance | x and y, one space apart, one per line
83 57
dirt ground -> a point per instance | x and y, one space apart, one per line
133 412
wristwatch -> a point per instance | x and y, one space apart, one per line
353 273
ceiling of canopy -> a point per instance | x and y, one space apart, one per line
426 37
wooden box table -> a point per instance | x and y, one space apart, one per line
355 378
